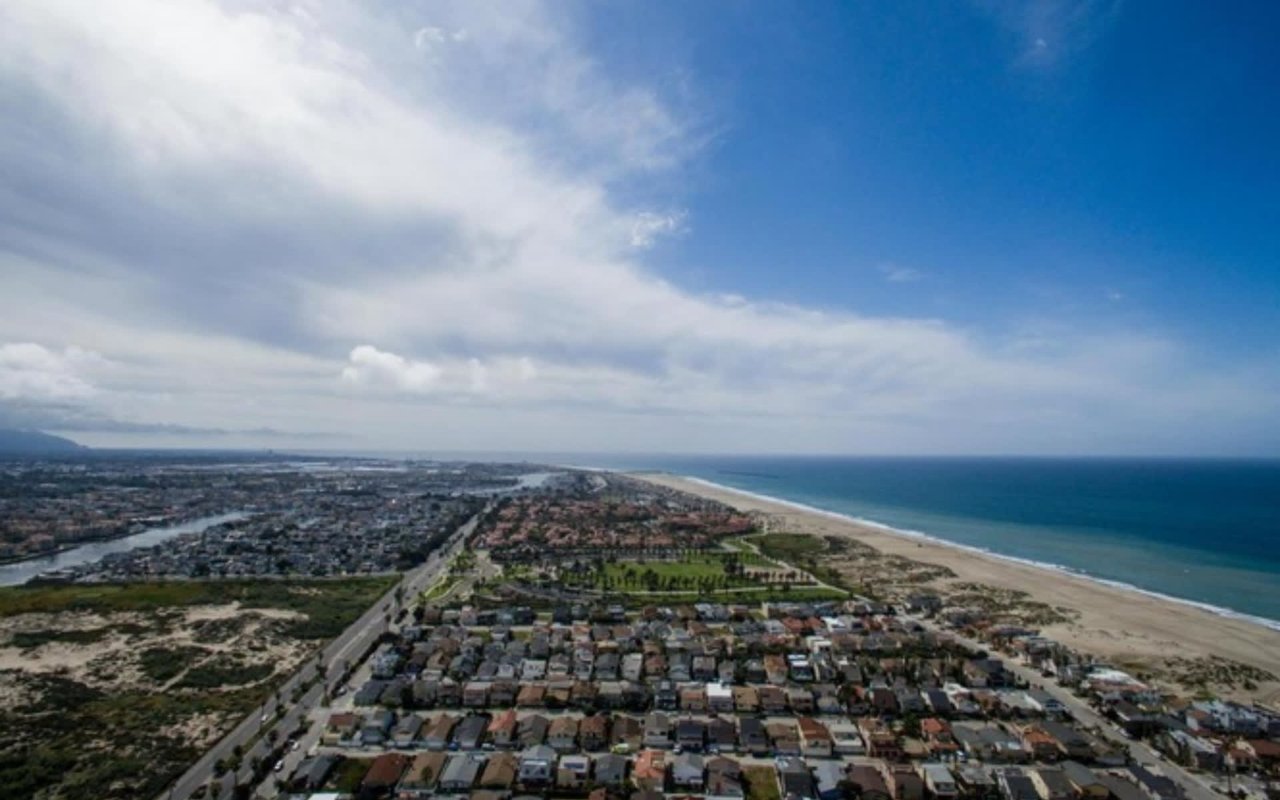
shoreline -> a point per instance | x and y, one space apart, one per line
1222 611
1116 620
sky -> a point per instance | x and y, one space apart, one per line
910 228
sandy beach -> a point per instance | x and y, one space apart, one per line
1130 628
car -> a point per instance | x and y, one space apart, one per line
294 744
279 765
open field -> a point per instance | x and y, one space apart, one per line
109 691
1175 644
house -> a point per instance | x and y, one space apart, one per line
687 771
815 739
1121 789
419 780
939 781
460 773
502 729
795 780
871 784
773 700
376 729
746 699
1157 786
500 772
722 735
1043 747
724 780
691 734
503 693
845 739
665 696
611 770
650 771
537 766
343 728
720 697
532 730
800 700
1084 781
475 694
470 731
1014 785
693 700
904 782
438 732
531 695
562 735
830 777
593 732
975 782
752 736
384 773
657 730
405 732
784 737
312 773
573 771
1053 784
626 733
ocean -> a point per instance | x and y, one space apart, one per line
1200 531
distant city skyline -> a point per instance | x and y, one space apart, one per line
917 228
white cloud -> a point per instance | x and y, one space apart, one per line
369 367
30 371
896 273
648 227
279 220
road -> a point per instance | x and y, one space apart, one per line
1141 752
348 646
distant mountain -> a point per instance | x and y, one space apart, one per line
35 443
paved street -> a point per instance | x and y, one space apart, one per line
1195 787
347 647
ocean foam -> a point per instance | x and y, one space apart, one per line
1045 565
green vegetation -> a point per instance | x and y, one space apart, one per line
109 729
439 589
349 774
31 639
698 572
809 553
788 546
319 600
224 672
762 783
163 664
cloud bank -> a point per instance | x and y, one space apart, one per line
426 227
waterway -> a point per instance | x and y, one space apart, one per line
22 571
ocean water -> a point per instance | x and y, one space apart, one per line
1200 531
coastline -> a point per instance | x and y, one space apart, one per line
1129 625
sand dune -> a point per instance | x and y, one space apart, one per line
1128 627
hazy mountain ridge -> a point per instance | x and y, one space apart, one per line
16 442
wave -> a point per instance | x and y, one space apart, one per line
1221 611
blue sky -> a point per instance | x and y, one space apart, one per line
976 227
1134 157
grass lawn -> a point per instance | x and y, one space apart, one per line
695 567
789 546
349 774
762 783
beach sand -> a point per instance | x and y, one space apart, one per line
1127 627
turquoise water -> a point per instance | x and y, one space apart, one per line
1203 531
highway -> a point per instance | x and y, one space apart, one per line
348 646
